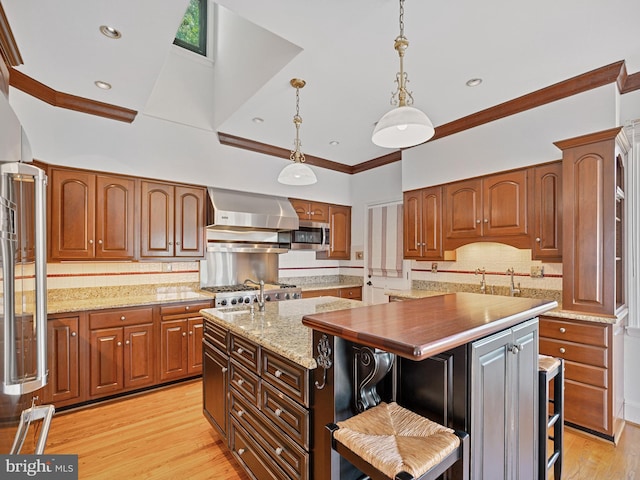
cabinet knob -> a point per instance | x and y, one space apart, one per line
478 221
279 451
240 350
240 381
538 239
241 451
119 344
127 342
177 243
170 243
562 350
190 332
278 412
240 413
73 334
187 307
123 318
562 329
486 220
278 373
99 242
90 242
184 334
224 369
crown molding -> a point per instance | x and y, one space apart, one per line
8 46
48 95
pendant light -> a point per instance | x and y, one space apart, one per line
297 173
404 126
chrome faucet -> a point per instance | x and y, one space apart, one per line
483 284
513 291
260 298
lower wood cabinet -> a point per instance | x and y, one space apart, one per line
504 396
593 354
122 353
352 293
267 401
63 350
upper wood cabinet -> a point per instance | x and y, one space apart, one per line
492 208
423 224
340 234
547 212
314 211
592 251
92 216
172 220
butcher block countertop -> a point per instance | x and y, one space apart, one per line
421 328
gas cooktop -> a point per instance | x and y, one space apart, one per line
241 293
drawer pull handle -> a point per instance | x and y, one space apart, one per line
240 381
224 369
278 412
240 413
241 451
562 350
563 330
123 318
279 451
240 350
278 373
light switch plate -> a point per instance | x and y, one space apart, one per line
537 271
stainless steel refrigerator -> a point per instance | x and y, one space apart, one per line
23 302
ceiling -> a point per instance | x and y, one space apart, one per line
343 49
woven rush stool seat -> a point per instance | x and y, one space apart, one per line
550 369
389 441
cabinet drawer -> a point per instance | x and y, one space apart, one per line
325 292
286 376
246 352
119 318
575 352
585 405
286 414
352 293
245 382
283 450
596 376
215 334
574 332
183 309
250 455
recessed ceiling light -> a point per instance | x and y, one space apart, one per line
474 82
334 143
257 120
110 32
102 85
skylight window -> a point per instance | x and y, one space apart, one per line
192 33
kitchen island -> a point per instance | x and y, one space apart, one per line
270 385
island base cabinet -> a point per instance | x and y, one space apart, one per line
215 387
249 454
504 392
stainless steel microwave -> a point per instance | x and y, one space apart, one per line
310 236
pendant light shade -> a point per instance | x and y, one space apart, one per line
402 127
297 173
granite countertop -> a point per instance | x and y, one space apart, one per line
279 328
99 298
328 286
413 294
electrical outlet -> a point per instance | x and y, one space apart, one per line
537 271
359 255
167 267
434 267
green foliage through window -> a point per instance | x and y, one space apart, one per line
192 33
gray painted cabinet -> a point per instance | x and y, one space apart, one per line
504 391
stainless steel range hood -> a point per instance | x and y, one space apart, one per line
249 222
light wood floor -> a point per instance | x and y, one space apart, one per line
163 435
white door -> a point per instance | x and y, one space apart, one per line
385 269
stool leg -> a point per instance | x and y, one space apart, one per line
558 428
543 418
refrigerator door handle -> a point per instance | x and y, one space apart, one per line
13 384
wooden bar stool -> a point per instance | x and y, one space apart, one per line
388 441
550 369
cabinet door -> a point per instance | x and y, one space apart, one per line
195 326
504 198
64 359
157 220
72 215
302 208
547 205
432 248
412 223
340 232
173 351
115 207
319 212
106 360
189 235
138 355
463 209
214 386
